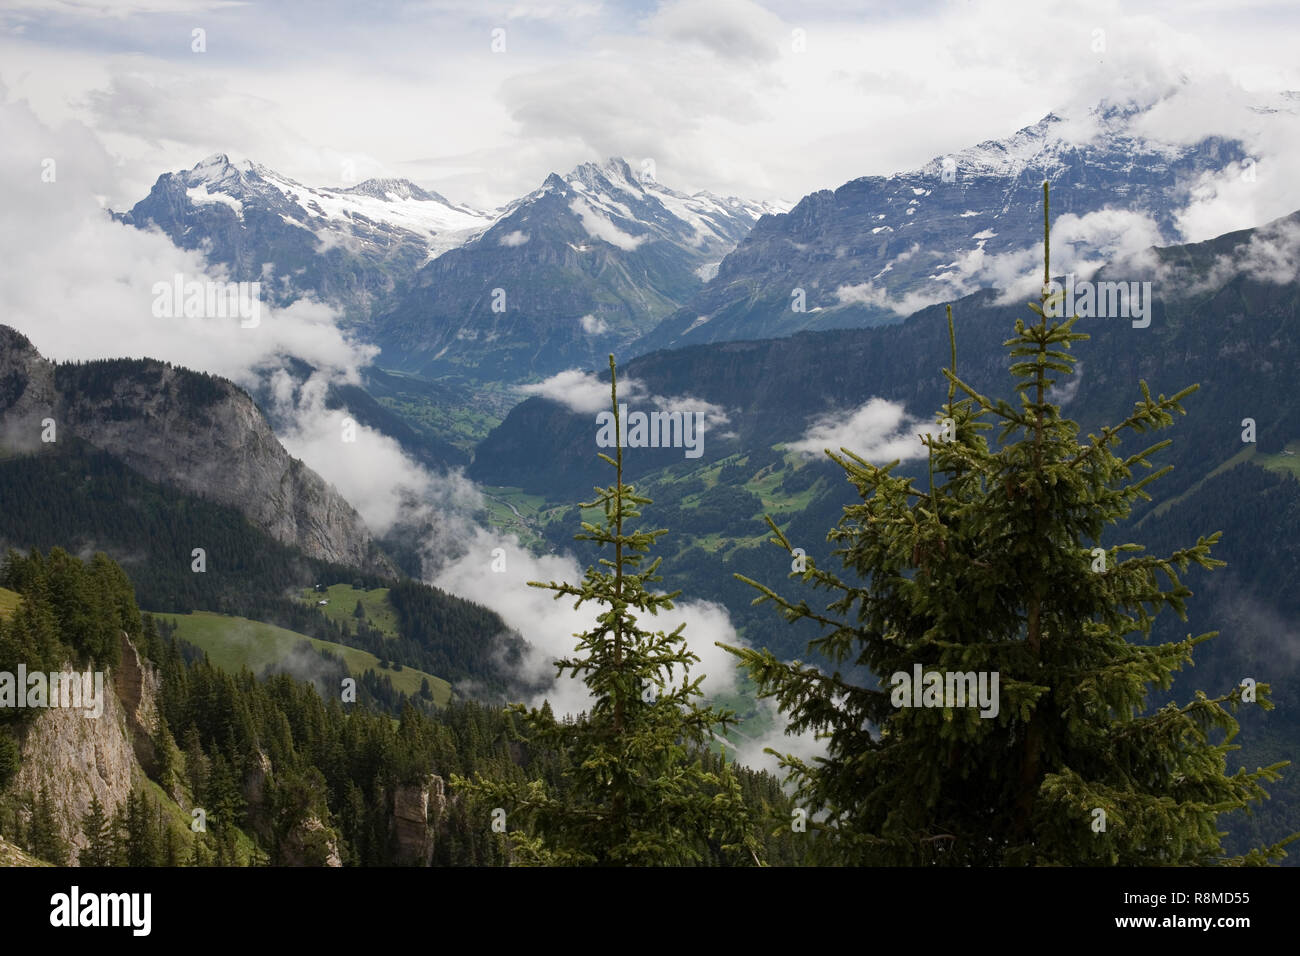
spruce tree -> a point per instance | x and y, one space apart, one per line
44 838
98 832
119 830
635 790
143 845
10 755
994 564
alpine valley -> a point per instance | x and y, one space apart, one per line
166 533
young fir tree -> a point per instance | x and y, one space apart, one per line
634 791
98 831
43 837
994 565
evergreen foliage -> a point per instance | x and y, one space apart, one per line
990 567
638 787
97 830
221 738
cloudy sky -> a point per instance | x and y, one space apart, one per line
762 99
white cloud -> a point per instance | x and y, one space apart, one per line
1231 198
877 430
1066 387
120 9
749 751
580 391
737 31
81 286
516 238
549 625
593 325
714 92
371 471
863 293
584 393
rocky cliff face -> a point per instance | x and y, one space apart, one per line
76 758
136 682
195 432
27 392
417 808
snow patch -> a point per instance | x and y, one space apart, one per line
598 227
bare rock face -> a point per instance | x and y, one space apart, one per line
417 807
257 778
75 757
195 432
310 843
136 682
27 394
254 787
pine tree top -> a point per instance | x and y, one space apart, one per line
995 566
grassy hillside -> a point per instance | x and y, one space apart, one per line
235 642
178 820
342 606
1288 462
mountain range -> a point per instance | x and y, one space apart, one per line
585 263
352 247
879 248
786 327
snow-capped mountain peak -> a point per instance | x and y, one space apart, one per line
881 247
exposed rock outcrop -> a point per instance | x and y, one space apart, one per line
417 808
75 758
310 843
27 393
136 682
257 778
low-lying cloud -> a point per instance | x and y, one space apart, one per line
549 625
586 394
877 430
